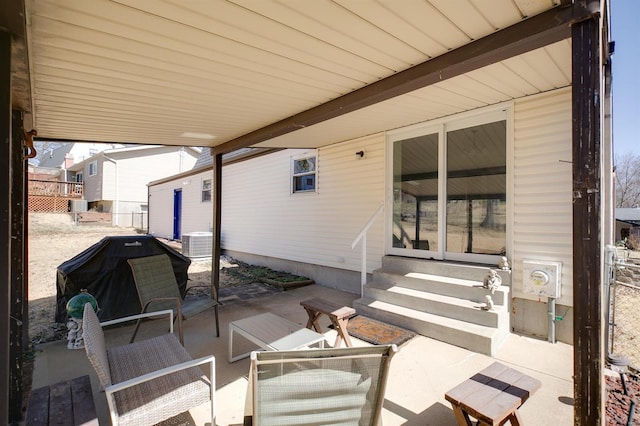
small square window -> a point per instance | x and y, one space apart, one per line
93 168
303 171
206 190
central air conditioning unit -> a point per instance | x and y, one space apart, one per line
197 244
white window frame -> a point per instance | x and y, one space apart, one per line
93 166
204 198
503 111
293 175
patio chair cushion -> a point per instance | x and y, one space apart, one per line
147 401
158 290
338 386
148 381
325 396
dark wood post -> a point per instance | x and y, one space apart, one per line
216 197
5 214
19 319
588 328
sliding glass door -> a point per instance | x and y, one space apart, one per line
415 193
449 190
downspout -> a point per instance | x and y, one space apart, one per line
116 204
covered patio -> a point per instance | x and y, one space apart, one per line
234 75
422 371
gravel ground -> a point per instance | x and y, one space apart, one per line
619 403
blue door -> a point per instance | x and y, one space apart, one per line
177 213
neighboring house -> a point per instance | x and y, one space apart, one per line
51 187
65 156
115 179
627 222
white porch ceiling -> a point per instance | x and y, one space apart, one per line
147 71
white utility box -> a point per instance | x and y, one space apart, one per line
542 278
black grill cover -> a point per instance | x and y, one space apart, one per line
103 270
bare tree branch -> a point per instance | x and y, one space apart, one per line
627 178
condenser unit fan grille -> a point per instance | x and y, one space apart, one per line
197 244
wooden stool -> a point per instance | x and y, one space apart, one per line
492 396
338 315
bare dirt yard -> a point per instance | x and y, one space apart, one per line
55 238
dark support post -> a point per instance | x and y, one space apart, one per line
588 344
217 220
469 226
5 214
18 324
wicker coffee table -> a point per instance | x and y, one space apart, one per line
272 333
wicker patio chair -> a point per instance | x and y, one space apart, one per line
158 289
151 380
318 386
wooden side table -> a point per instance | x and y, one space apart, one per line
492 396
338 315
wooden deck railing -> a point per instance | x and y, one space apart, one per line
54 188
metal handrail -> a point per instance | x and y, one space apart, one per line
363 236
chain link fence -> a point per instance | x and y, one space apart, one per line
624 303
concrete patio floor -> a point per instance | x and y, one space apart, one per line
422 371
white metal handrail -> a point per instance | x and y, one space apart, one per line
363 236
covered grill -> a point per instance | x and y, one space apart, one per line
103 271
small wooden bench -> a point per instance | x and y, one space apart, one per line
338 315
68 402
492 396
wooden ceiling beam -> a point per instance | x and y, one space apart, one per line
533 33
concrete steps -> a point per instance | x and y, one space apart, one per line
441 300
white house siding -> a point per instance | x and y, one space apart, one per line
93 185
542 205
161 208
134 172
260 215
107 172
121 184
197 215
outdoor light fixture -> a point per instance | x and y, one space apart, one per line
360 154
195 135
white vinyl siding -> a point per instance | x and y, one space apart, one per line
542 201
196 215
260 216
161 209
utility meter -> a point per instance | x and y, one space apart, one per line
541 278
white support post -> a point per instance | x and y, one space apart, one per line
363 265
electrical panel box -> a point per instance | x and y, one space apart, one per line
542 278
